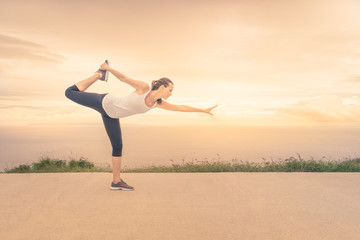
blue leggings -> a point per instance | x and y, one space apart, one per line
94 101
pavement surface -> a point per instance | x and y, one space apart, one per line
181 206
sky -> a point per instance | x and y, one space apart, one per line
264 62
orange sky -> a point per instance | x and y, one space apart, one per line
264 62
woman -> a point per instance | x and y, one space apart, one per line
112 108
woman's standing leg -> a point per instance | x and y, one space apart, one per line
112 127
116 162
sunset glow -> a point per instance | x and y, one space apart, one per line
263 62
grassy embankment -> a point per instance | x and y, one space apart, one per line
291 164
47 164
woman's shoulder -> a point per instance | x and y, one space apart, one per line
142 90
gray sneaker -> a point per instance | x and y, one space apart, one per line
104 73
121 186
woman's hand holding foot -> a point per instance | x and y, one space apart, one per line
104 66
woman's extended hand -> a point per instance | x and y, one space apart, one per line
208 110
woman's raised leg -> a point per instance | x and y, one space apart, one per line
84 84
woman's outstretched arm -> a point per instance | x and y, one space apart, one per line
184 108
138 85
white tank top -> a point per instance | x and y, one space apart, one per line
120 107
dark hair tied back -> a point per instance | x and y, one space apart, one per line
158 83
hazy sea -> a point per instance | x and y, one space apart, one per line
145 145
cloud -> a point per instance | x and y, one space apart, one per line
49 110
354 79
347 87
13 93
19 49
324 109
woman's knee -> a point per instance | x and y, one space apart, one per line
69 92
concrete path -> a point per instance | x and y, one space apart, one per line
181 206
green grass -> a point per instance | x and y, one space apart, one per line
291 164
49 165
288 165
